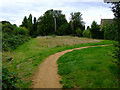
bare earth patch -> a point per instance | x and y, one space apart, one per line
47 76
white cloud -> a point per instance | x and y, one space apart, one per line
15 10
34 1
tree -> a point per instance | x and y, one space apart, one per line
34 27
50 22
24 22
110 31
76 22
95 30
30 25
88 27
116 11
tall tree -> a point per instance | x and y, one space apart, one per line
76 21
35 27
24 22
30 25
50 22
95 30
30 19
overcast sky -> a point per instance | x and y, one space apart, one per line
15 10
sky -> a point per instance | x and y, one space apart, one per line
15 10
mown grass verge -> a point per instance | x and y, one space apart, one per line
26 58
88 68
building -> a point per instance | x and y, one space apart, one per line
106 21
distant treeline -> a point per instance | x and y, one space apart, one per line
53 22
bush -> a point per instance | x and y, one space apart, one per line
13 36
11 42
21 31
79 32
87 33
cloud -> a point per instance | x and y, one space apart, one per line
34 1
15 10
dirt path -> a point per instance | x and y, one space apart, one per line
47 76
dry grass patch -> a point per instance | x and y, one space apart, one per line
49 41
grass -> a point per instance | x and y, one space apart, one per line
88 68
27 57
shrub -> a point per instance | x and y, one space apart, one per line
21 31
79 32
13 36
87 33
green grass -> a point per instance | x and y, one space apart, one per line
27 57
88 68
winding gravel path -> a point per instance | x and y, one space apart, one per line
47 76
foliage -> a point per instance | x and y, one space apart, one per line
76 22
64 29
9 79
116 11
24 22
82 68
87 33
30 25
52 22
95 31
79 32
110 32
13 36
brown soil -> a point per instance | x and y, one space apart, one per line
47 76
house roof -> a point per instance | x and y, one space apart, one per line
106 21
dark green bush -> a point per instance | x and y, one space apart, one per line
13 36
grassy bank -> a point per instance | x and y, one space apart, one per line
27 57
88 68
